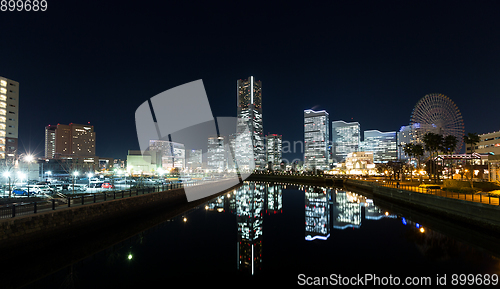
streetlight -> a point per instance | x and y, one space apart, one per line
28 159
21 177
90 175
74 176
7 175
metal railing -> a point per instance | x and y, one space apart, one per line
483 197
16 209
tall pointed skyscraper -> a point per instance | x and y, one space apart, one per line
249 114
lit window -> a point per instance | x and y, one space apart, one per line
3 83
3 104
3 112
3 90
3 97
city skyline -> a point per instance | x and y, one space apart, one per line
351 60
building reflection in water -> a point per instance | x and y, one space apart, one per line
317 213
249 203
325 208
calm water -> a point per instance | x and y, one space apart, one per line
269 234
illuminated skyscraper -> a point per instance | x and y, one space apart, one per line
316 139
216 154
9 118
382 144
345 139
249 114
273 150
404 137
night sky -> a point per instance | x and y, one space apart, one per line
365 61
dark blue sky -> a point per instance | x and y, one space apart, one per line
365 61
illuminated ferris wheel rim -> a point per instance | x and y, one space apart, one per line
439 114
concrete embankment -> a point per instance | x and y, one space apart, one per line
49 241
474 214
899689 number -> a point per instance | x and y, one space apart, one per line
474 279
23 5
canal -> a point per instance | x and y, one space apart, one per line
287 235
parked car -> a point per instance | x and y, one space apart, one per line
39 189
96 185
107 186
78 187
20 192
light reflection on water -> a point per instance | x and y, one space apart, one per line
268 232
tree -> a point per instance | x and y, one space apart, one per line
449 146
409 151
433 144
418 153
471 139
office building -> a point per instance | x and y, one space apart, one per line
143 163
274 145
404 137
489 143
345 139
172 154
316 140
63 140
195 159
249 125
216 153
382 144
9 119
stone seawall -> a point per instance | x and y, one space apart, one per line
21 228
44 223
475 214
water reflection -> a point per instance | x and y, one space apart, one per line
325 209
327 213
249 203
317 213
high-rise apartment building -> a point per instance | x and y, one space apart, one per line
274 150
63 140
316 139
345 139
250 127
382 144
9 118
50 141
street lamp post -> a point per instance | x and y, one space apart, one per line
90 175
74 176
7 175
21 177
28 158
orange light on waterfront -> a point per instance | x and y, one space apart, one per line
422 230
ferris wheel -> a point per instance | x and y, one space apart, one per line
437 113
